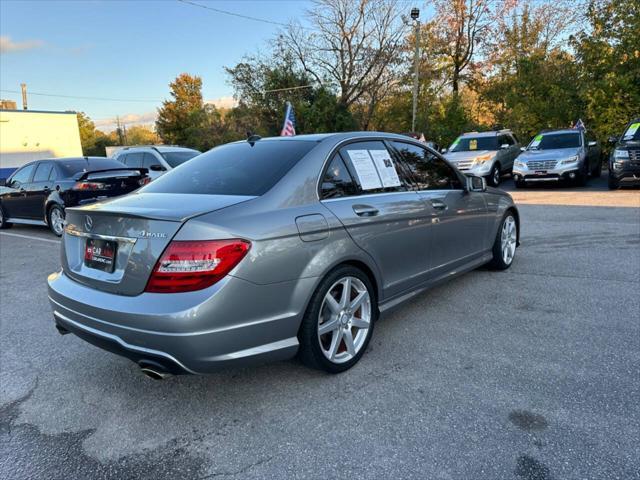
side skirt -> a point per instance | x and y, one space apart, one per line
25 221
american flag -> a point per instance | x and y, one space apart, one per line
289 127
579 125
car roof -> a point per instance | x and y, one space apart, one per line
337 136
158 148
560 131
492 133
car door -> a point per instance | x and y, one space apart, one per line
39 189
14 201
460 220
371 194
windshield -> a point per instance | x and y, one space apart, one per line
73 166
632 132
470 144
234 169
176 158
552 141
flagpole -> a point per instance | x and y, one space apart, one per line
286 116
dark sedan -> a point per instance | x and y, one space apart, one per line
38 192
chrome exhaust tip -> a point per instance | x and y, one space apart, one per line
154 374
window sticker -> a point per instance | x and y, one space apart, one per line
386 168
365 169
536 141
631 131
473 144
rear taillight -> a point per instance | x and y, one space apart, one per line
186 266
89 186
144 181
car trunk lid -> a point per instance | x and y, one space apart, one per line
137 228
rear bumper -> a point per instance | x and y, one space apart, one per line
235 322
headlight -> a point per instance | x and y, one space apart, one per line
620 154
519 163
483 158
569 160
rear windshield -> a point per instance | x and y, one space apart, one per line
234 169
551 141
71 167
470 144
176 158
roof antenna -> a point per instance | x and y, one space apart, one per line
252 138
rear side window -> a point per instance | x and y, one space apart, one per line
234 169
373 168
337 181
429 171
43 171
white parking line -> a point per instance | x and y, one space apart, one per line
30 238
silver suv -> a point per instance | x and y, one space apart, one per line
484 154
157 159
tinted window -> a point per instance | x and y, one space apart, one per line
43 170
134 160
23 175
502 139
470 144
550 141
176 158
373 168
429 171
337 181
234 169
150 159
73 166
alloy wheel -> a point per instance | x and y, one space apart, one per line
57 221
344 319
508 238
496 176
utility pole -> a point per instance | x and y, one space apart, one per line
119 131
23 86
415 13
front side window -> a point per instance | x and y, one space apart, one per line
150 159
22 176
134 160
177 158
471 144
551 141
374 169
337 181
429 171
239 168
43 171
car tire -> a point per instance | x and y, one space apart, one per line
55 220
612 183
332 349
3 223
494 178
505 243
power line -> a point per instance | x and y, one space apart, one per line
233 14
107 99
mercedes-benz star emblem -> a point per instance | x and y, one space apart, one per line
88 223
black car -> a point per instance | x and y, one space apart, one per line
38 192
624 161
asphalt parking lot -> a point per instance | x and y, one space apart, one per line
528 374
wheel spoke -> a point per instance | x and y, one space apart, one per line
329 325
333 305
358 301
335 342
346 293
348 341
359 323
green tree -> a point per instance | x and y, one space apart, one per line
93 141
141 135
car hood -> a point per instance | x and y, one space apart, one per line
554 154
456 157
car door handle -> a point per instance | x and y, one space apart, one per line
365 210
438 204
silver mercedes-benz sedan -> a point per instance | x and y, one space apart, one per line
261 249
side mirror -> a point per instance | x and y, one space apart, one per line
523 149
612 140
444 150
504 146
476 184
3 182
592 144
156 167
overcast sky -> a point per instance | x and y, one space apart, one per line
126 50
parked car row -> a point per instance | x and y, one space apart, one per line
563 155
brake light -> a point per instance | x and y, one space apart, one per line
144 180
186 266
89 186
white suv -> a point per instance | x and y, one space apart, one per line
157 159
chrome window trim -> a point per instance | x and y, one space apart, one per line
77 233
